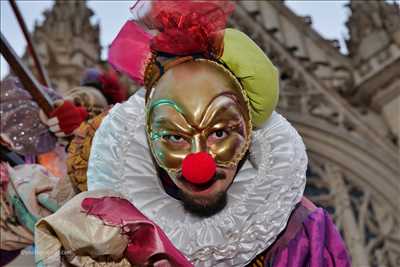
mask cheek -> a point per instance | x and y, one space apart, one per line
229 150
169 156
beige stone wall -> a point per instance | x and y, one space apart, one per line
391 113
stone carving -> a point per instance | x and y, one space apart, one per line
369 18
370 229
297 92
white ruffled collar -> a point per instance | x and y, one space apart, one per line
260 199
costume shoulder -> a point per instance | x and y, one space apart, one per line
100 228
70 235
309 239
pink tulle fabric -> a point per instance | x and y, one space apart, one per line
182 28
130 51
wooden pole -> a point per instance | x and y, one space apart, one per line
43 77
28 81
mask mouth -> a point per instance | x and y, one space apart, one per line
219 175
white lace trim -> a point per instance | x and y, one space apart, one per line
260 199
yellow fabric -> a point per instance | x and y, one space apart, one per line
79 151
257 74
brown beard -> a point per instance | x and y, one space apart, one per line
204 208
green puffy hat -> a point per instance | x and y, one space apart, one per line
258 76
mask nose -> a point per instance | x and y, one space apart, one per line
198 144
198 168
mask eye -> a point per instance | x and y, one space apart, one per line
218 135
173 138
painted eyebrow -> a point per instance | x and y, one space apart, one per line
204 123
171 125
168 102
162 102
165 120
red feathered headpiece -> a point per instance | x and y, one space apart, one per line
183 28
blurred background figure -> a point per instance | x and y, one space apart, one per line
106 80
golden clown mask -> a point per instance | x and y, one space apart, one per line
198 106
198 129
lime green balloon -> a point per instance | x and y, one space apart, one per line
258 76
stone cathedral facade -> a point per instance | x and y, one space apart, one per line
346 107
67 43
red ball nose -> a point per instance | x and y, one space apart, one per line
198 168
